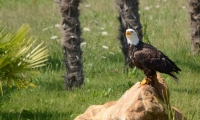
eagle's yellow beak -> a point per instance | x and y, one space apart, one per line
128 33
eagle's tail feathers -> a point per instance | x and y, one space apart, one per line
174 77
173 65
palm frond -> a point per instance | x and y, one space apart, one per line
18 57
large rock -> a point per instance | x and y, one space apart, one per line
143 103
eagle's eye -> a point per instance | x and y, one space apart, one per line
131 31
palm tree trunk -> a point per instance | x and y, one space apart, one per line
128 18
71 43
194 11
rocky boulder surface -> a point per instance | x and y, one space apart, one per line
138 103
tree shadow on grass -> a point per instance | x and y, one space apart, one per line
7 91
194 91
190 63
53 86
38 115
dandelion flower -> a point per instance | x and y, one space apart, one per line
32 85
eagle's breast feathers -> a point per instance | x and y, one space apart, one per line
146 55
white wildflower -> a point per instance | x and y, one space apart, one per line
89 64
45 29
103 57
54 37
87 29
104 33
83 43
112 53
147 8
87 6
105 47
58 25
95 22
102 28
183 7
157 6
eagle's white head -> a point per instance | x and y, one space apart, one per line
132 37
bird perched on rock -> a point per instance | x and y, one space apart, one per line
149 59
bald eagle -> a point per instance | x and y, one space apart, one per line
149 59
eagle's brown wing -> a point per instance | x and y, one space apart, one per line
153 59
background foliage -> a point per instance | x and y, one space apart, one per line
167 28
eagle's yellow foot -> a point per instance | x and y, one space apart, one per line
145 81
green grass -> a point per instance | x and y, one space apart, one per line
167 29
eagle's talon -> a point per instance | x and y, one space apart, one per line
145 81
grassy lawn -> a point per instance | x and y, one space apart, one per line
167 29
